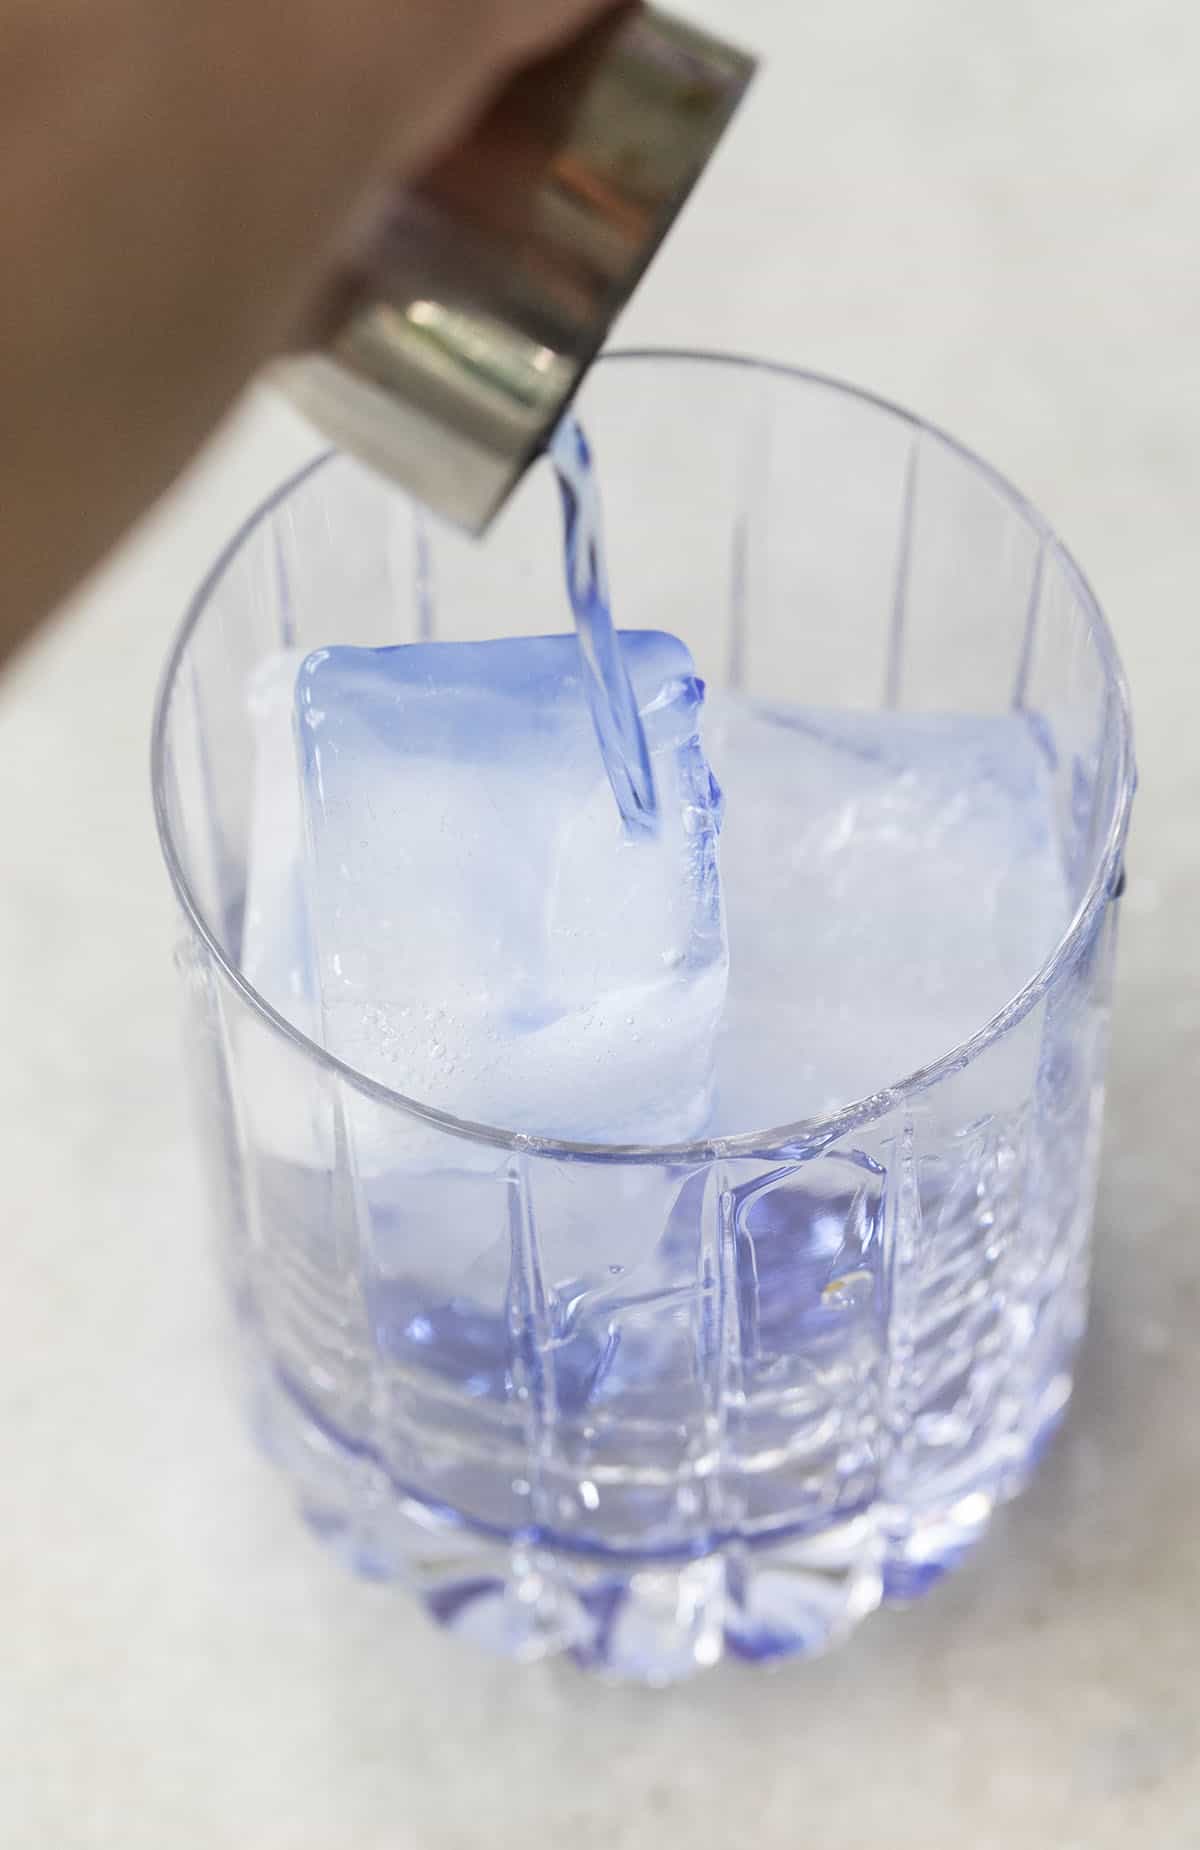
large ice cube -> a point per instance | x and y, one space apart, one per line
489 939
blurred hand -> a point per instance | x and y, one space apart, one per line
176 177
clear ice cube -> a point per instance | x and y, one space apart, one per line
489 938
892 881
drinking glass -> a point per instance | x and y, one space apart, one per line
648 1406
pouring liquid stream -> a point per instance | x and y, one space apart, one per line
618 725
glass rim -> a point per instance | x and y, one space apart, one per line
792 1138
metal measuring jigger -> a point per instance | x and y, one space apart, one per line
494 283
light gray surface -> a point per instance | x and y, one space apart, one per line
989 212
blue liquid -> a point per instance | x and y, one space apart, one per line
610 693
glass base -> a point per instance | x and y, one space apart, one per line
654 1622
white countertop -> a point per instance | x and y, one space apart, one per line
989 212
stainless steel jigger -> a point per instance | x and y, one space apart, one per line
495 282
